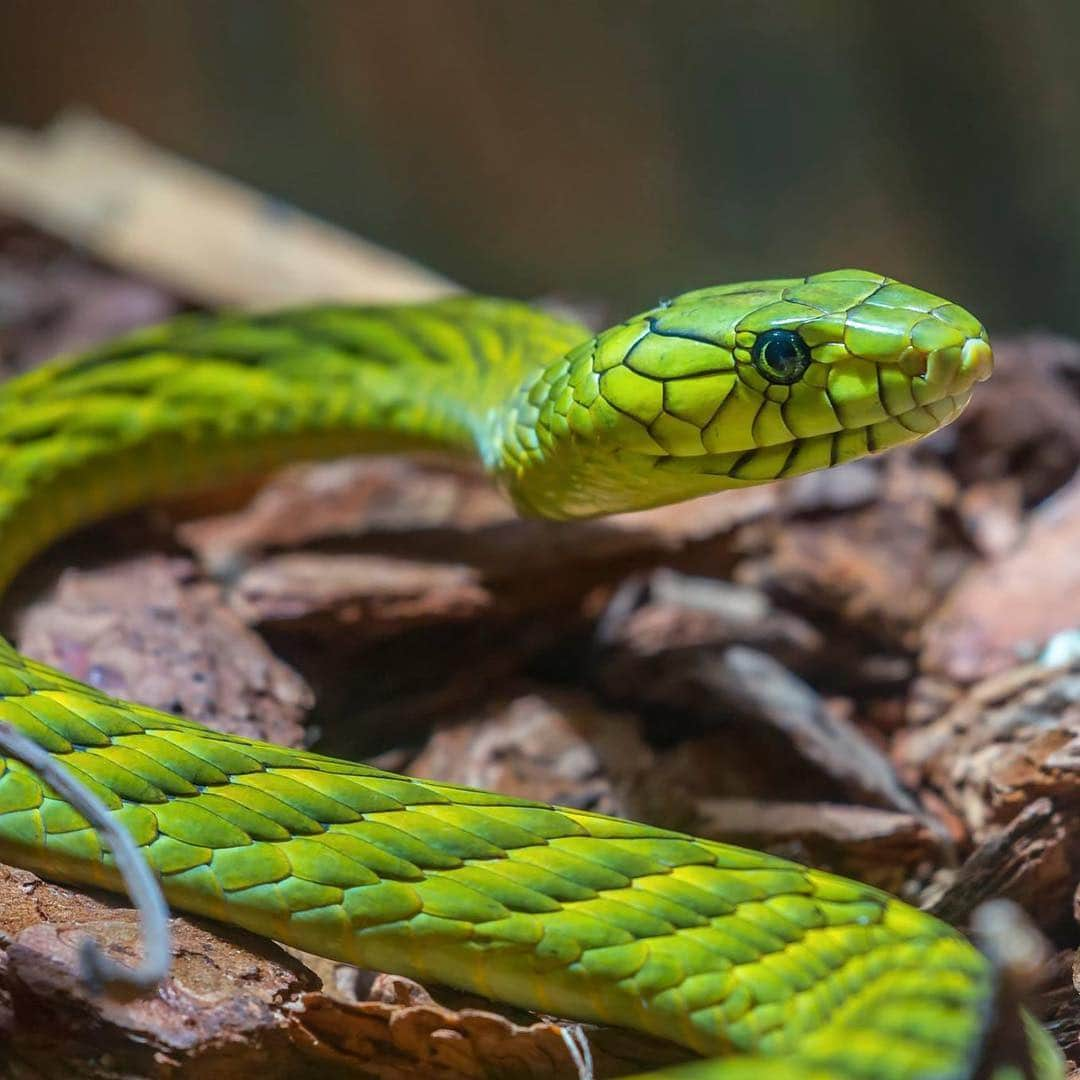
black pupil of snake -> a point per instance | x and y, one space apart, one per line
781 356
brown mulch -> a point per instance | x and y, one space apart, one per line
875 669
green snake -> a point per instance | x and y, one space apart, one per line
768 969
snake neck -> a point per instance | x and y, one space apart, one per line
572 443
204 400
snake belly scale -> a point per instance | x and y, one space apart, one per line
766 968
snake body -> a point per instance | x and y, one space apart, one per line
770 969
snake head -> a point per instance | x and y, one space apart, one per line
743 384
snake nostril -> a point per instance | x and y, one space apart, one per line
913 362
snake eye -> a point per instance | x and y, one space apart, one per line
780 356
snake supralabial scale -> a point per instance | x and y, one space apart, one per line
770 969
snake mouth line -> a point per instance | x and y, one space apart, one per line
763 463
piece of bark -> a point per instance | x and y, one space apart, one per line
207 237
1011 739
880 847
436 511
654 618
664 641
992 513
144 629
394 1029
343 499
822 735
750 685
1018 955
415 1036
556 748
367 595
225 1008
1027 861
1011 742
1004 610
879 568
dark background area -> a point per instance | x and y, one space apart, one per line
610 150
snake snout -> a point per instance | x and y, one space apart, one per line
977 359
970 363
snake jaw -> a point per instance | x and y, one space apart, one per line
798 456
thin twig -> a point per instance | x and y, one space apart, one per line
577 1045
97 970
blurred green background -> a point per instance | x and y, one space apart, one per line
616 151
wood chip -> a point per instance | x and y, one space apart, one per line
208 238
1005 610
556 747
397 1030
144 629
1027 861
881 847
224 1009
878 567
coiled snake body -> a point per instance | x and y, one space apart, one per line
773 969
